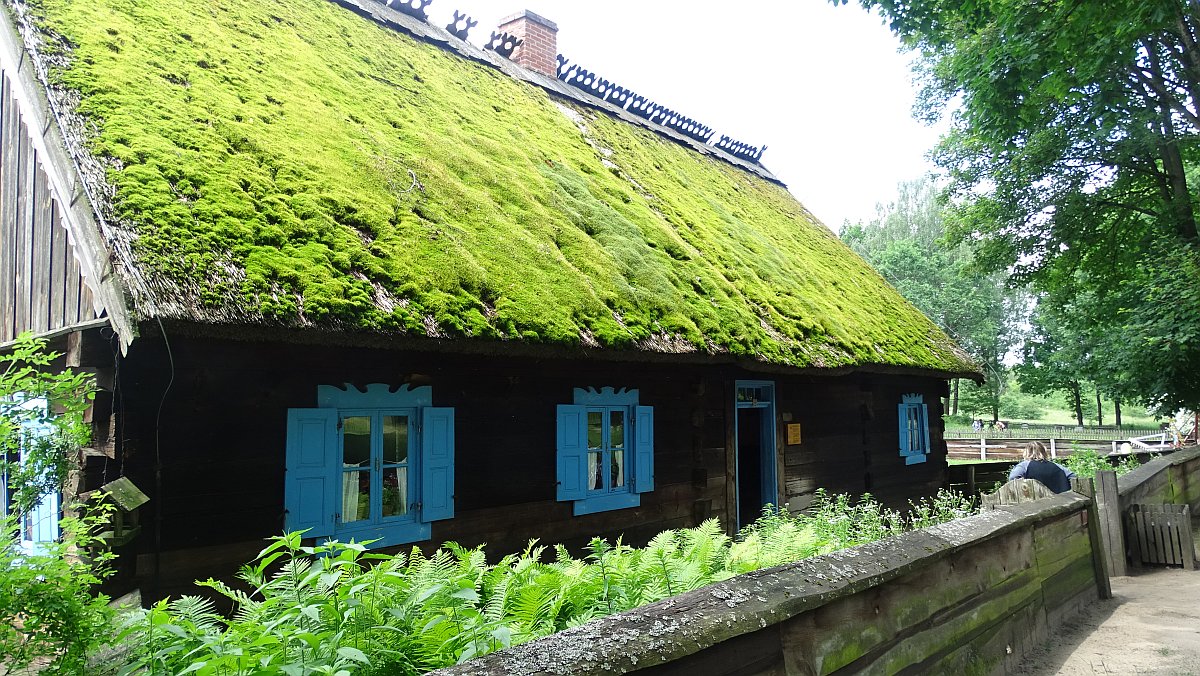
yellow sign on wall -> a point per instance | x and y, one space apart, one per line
793 434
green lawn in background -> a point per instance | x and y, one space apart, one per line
1018 407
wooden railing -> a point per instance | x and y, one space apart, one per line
1064 433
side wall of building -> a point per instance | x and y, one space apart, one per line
213 461
41 287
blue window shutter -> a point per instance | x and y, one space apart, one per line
903 412
310 492
437 463
572 452
925 426
643 449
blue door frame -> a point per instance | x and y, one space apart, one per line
758 394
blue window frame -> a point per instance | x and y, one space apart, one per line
914 429
605 450
370 465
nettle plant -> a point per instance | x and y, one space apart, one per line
335 608
48 614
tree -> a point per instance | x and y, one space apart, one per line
1073 159
1052 359
906 244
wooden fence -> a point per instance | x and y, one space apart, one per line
1170 480
970 596
1067 432
1009 448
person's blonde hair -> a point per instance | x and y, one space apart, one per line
1035 450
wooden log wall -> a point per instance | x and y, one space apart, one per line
851 441
971 596
221 440
41 287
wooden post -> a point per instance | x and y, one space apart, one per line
971 480
982 448
1053 448
1109 507
1099 552
1186 544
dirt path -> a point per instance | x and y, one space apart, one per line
1150 626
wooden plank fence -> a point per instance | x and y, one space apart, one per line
1010 448
1162 534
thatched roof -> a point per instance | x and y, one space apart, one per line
299 164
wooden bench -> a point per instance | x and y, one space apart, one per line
1162 534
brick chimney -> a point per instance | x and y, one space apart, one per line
540 46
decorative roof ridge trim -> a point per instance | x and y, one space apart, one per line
606 90
440 37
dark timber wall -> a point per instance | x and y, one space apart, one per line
968 597
221 440
41 288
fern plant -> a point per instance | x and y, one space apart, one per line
335 608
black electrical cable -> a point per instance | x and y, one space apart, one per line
158 492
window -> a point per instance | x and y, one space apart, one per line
41 524
914 429
605 450
373 465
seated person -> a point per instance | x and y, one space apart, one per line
1037 465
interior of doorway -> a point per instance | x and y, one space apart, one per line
750 464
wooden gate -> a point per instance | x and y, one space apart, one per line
1162 534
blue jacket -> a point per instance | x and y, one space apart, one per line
1044 471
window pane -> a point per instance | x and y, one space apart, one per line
356 495
395 439
356 441
616 429
595 429
618 469
595 471
395 491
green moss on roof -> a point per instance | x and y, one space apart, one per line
295 163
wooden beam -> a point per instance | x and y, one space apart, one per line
1108 504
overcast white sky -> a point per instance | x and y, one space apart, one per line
822 86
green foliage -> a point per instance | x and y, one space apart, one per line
37 443
262 161
906 243
49 616
1086 462
1073 161
334 608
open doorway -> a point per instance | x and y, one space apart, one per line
755 452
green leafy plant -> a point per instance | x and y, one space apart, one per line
335 608
41 421
1085 462
49 616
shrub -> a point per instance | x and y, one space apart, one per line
48 614
1086 462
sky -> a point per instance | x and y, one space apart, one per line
824 87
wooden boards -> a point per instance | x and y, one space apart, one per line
1162 534
41 285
